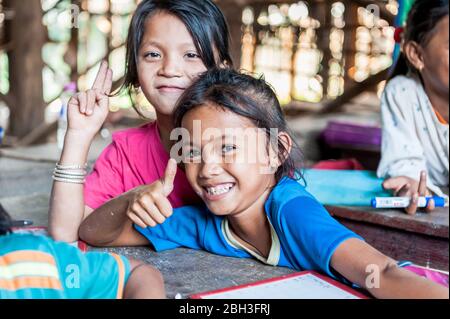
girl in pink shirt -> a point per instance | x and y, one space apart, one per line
170 42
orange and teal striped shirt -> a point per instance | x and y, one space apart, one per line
36 267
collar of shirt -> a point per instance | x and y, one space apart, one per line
275 250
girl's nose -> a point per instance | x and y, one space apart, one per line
211 165
210 169
171 67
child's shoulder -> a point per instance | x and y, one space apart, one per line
135 138
288 190
130 134
290 201
21 241
405 84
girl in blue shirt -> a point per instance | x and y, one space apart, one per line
239 157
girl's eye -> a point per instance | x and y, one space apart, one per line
152 55
192 55
192 154
228 148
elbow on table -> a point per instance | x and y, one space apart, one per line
88 235
62 234
93 237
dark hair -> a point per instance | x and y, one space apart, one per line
5 222
420 25
247 96
204 21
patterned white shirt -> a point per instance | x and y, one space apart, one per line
413 137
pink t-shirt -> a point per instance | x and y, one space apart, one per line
135 157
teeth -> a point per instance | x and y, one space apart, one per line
218 190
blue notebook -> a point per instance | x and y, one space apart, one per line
344 187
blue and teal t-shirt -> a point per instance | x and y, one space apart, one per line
304 235
35 267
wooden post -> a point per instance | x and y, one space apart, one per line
71 55
28 35
233 14
321 10
351 21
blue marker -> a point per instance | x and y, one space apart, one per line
402 202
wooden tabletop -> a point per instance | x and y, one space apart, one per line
433 224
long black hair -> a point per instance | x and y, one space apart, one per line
420 25
5 222
202 18
247 96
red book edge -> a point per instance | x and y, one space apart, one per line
297 274
81 244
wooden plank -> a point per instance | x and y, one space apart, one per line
351 18
424 250
384 13
431 224
233 14
322 12
355 90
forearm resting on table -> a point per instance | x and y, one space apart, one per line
109 225
396 282
370 269
67 209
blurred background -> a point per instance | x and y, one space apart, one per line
327 60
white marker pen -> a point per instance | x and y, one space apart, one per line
402 202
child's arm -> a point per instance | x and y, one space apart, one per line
112 223
86 113
109 225
144 282
365 266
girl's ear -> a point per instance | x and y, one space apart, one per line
413 53
223 65
286 140
275 159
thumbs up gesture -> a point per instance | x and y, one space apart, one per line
149 205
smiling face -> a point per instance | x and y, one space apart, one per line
222 164
168 61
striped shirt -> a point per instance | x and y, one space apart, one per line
36 267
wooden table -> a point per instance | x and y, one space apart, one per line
422 238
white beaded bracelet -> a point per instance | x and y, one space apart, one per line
65 176
73 173
66 180
70 173
71 167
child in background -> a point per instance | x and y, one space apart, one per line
169 43
240 159
414 108
35 267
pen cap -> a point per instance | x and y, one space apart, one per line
373 202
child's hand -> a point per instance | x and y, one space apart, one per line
149 205
87 111
407 187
